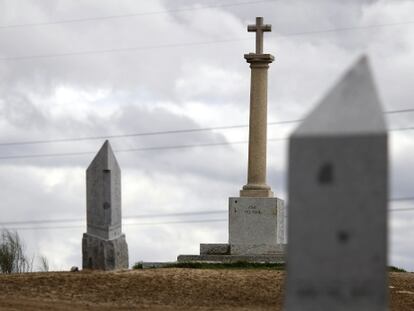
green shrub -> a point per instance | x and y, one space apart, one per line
395 269
137 265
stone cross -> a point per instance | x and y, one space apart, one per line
337 226
259 63
256 218
259 28
104 246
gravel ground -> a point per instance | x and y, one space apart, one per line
164 289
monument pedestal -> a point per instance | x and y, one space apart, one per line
256 233
253 225
102 254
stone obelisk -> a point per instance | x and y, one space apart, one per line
103 245
338 193
259 63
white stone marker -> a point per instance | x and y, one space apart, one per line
104 246
337 251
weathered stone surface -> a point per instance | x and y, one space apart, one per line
281 238
214 249
102 254
103 184
253 225
104 238
259 28
337 251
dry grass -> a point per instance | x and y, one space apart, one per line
164 289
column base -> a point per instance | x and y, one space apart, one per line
256 234
210 258
104 254
256 193
254 224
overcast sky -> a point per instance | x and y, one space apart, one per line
177 65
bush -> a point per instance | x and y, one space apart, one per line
12 256
137 265
395 269
44 264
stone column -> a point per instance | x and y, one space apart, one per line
256 177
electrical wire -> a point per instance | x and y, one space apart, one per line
129 15
188 44
176 131
161 215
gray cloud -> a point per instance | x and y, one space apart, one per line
176 88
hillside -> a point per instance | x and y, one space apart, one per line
163 289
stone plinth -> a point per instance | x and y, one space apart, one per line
270 258
253 225
338 194
215 249
104 254
256 234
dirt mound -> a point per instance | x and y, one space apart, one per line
163 289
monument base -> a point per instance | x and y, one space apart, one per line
256 234
262 193
273 258
104 254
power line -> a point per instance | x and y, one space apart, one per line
190 130
402 199
162 215
401 209
118 50
400 111
133 224
342 29
192 221
187 44
409 128
157 148
142 216
47 155
121 16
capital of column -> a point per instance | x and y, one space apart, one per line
259 60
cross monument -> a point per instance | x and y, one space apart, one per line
256 218
259 28
259 63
